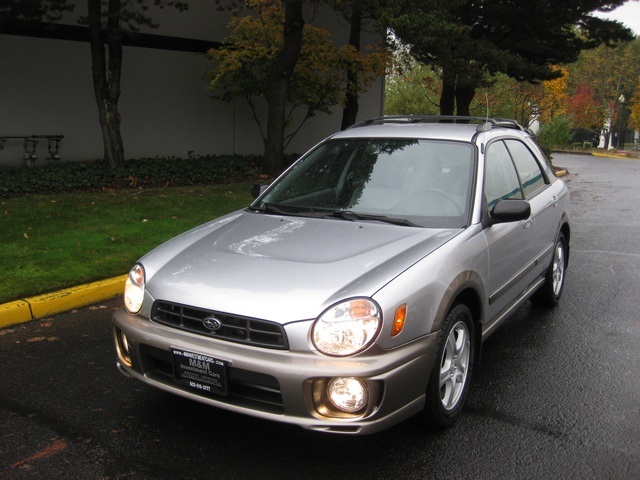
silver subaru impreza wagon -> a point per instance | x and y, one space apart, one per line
356 290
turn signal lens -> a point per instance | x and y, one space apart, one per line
398 320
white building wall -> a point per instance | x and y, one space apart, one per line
46 88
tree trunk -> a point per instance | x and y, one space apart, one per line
464 96
455 98
350 111
106 77
281 72
448 95
607 136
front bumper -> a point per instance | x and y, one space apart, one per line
283 385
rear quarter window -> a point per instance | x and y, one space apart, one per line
531 175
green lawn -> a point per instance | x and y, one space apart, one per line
51 242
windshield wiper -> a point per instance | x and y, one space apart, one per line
353 216
343 214
267 208
272 209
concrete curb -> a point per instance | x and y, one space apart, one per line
33 308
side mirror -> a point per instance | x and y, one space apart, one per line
257 189
510 211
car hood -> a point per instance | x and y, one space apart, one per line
282 268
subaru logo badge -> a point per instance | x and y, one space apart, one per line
211 323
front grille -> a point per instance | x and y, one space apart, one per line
232 328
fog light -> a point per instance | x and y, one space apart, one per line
123 348
348 394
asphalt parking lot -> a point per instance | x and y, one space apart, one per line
556 395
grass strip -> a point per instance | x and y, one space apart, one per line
57 241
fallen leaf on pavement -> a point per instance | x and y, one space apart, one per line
48 451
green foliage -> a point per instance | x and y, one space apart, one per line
33 12
243 66
470 39
146 172
556 133
412 90
134 14
607 92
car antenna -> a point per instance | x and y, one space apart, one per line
486 101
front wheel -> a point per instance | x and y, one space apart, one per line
451 372
550 292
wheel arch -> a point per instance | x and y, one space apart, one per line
468 289
565 229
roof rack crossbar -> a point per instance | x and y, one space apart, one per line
485 123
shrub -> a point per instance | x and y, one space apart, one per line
555 134
145 172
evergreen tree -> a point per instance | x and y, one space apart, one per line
470 39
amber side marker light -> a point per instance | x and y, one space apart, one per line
398 320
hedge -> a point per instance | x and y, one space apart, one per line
146 172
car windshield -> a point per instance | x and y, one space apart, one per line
423 182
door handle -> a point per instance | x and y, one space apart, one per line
554 200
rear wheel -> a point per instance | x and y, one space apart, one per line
549 294
451 372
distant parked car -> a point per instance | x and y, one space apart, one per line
357 289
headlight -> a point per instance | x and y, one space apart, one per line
346 328
134 289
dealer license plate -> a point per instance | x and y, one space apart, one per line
203 373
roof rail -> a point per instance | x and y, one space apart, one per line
484 123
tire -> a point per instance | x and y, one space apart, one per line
548 295
452 368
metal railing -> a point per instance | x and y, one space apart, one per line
30 146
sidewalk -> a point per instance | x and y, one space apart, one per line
41 306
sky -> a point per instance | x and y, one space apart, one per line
629 14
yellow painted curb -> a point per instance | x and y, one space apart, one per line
14 312
615 155
65 300
42 306
605 155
